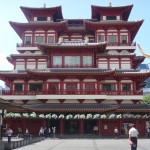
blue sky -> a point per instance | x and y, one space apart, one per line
71 9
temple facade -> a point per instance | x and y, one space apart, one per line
79 75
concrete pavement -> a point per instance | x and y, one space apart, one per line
86 144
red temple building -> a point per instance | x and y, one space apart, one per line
79 75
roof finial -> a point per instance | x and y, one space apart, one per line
110 4
44 5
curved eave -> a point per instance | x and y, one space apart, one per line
28 11
116 55
20 28
10 60
142 85
140 75
85 108
59 46
9 74
20 56
137 61
134 108
126 10
133 26
5 105
74 72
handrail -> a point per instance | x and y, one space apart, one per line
72 92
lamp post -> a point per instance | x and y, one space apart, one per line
2 111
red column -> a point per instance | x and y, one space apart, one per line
118 86
36 63
25 65
119 37
25 87
99 127
108 60
44 87
61 126
81 127
119 63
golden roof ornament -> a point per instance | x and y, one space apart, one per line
60 40
44 5
110 4
86 39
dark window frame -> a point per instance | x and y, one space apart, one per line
18 87
41 18
35 86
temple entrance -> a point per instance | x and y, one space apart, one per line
54 123
71 127
90 127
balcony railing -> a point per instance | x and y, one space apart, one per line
109 44
122 44
72 92
25 45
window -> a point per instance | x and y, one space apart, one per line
109 87
41 18
28 40
112 39
100 38
87 60
111 17
39 39
50 39
126 87
71 88
18 87
72 60
124 39
89 88
53 88
35 86
57 61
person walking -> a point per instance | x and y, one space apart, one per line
54 131
49 132
133 135
148 132
41 132
116 133
9 134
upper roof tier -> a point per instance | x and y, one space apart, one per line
41 13
123 11
98 12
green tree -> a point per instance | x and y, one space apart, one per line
147 99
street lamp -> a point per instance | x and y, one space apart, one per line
2 112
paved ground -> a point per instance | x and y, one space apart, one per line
86 144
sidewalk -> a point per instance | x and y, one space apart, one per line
86 144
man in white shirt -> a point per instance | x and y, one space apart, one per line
9 134
133 134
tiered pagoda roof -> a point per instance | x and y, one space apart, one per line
61 46
20 28
29 11
71 107
86 108
98 10
58 72
5 105
133 26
